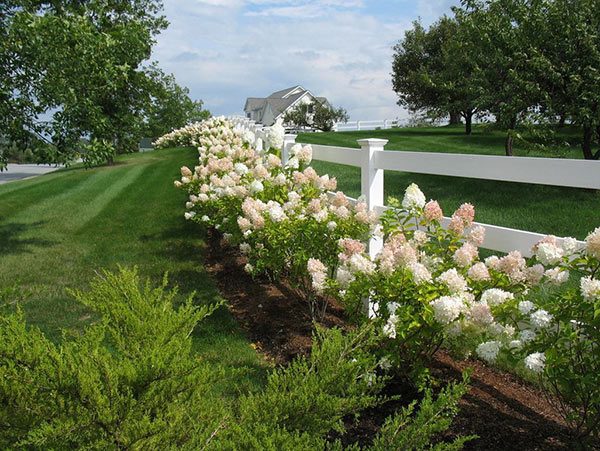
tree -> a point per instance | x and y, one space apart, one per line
93 69
82 65
537 58
171 106
318 115
572 66
18 73
500 39
430 72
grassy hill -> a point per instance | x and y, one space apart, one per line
537 208
58 230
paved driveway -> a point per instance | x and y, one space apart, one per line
24 171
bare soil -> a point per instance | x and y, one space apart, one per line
505 412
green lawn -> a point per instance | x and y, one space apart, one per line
537 208
58 230
448 139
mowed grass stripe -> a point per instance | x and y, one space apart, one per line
61 232
32 183
78 203
50 223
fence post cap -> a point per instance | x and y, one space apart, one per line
372 142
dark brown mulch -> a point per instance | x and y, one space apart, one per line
504 412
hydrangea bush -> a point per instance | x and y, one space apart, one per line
557 329
428 286
279 216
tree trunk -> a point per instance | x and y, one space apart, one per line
468 122
561 120
586 145
508 144
454 118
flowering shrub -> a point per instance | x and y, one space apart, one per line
557 332
300 238
280 216
428 284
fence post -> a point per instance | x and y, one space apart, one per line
260 138
371 186
385 124
371 182
288 141
358 125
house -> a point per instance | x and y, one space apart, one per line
266 110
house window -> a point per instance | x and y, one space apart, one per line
311 108
249 115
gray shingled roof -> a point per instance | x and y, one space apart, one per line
254 103
275 102
283 92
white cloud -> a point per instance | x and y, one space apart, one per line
220 3
227 50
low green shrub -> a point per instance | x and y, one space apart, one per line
98 152
132 381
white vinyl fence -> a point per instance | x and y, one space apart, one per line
373 160
368 125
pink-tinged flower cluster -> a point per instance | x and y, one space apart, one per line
318 274
592 243
432 211
349 248
462 218
465 255
454 281
513 265
396 253
478 272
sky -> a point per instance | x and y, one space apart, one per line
227 50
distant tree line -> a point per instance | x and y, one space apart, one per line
522 61
73 70
316 115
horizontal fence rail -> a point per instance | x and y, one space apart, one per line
341 155
373 160
368 125
543 171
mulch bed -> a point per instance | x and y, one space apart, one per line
506 413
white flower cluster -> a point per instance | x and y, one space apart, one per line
590 288
448 308
413 198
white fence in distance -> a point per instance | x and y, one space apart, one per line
373 160
368 125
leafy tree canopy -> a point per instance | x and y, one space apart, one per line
71 69
171 106
317 115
